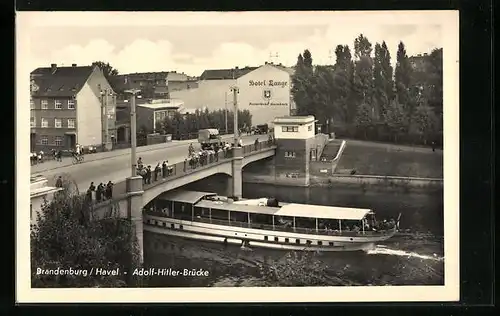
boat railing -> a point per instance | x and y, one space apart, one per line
282 228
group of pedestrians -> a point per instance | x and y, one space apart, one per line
102 192
162 170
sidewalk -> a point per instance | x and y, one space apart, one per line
67 161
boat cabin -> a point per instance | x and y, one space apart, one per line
312 219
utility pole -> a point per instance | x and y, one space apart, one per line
133 131
225 112
235 91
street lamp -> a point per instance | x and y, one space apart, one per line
133 131
235 91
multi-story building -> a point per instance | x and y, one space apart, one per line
265 91
69 106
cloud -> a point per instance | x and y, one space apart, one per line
142 55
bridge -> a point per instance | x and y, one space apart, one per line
132 195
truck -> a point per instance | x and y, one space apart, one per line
209 137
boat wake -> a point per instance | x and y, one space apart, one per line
383 250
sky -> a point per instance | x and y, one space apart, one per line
193 42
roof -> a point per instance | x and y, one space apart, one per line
185 196
221 74
294 119
293 210
64 82
163 105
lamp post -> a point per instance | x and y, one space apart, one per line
225 112
235 91
105 93
133 131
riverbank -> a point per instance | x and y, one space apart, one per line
363 182
383 159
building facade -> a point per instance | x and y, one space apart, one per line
264 91
151 115
296 147
69 106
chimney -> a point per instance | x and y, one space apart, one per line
73 65
53 67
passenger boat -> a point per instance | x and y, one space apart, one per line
265 222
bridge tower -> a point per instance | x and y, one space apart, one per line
296 147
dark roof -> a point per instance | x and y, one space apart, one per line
218 74
64 82
118 83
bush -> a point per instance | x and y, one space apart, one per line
69 234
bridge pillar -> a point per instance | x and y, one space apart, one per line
134 211
236 183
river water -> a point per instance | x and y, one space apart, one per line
412 257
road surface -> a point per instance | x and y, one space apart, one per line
117 168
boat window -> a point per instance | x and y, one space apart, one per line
181 227
182 211
331 243
305 222
164 224
276 239
198 211
328 224
287 240
239 217
350 225
265 238
156 222
308 242
297 241
219 214
172 225
283 221
262 219
320 243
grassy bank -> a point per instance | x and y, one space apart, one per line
370 158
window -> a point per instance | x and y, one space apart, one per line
310 128
276 239
71 123
320 243
58 104
297 241
71 104
45 104
45 122
32 122
44 140
288 129
172 226
57 123
32 104
331 243
164 224
265 238
58 141
181 227
290 154
308 242
287 240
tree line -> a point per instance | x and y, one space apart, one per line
362 96
181 126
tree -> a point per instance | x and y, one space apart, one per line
402 79
343 72
364 118
302 84
382 78
363 72
70 233
106 68
435 95
395 119
425 122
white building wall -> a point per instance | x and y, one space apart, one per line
305 131
89 127
210 94
265 92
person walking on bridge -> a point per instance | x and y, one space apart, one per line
164 169
157 172
59 182
109 190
